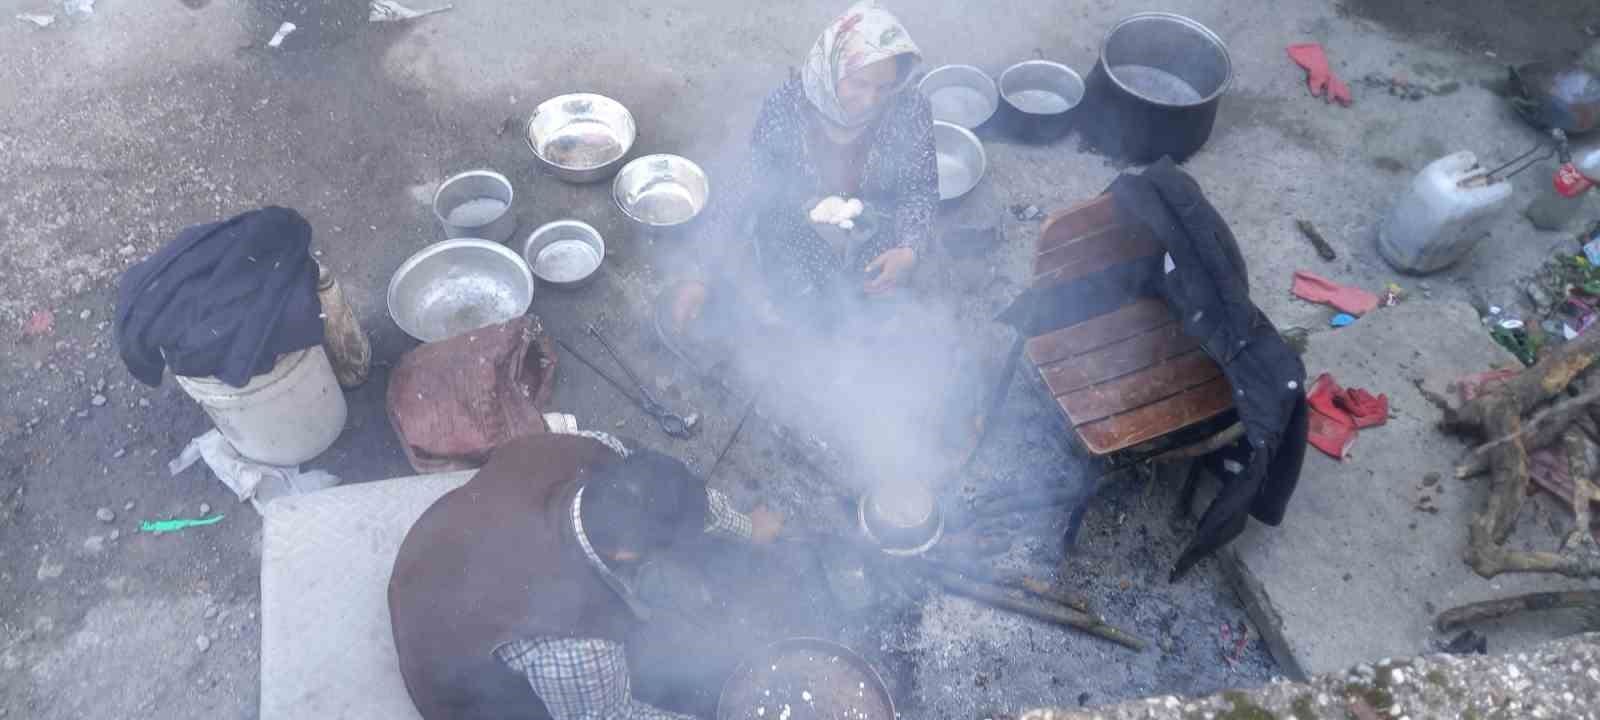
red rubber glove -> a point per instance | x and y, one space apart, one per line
1321 80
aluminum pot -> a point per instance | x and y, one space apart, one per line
1037 100
476 204
1156 88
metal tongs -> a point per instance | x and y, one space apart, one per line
1558 149
671 423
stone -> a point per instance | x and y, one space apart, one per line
85 315
205 508
116 535
211 612
144 402
202 642
94 544
97 400
105 515
127 506
119 453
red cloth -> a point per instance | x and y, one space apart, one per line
1337 414
1319 78
1329 429
1365 409
1318 289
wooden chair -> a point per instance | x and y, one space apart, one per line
1127 381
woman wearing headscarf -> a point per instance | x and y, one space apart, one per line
848 126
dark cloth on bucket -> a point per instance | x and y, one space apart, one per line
223 299
1208 289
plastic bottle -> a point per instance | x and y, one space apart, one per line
1560 200
348 347
1442 216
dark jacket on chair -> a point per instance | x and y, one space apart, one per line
1209 289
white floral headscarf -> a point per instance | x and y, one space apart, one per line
865 34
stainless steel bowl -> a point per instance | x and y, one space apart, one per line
821 676
962 161
901 519
960 95
581 137
476 204
564 253
661 190
454 286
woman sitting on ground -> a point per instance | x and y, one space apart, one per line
848 126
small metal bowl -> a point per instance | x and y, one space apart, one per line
661 190
564 253
962 161
960 95
454 286
901 519
582 137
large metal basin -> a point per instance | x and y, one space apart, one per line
452 287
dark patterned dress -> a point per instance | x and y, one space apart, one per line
892 167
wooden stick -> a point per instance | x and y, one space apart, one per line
1207 446
1583 490
1044 590
997 597
1310 231
1492 609
1508 464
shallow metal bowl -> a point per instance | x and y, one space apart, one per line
454 286
962 161
661 190
564 253
960 94
770 677
581 137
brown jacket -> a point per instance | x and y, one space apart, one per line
492 561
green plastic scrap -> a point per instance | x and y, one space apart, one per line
166 526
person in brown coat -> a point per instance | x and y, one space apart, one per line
510 595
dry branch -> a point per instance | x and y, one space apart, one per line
1541 429
1492 609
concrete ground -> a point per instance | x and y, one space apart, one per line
121 126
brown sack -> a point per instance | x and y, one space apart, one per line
453 401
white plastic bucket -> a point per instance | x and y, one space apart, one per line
285 416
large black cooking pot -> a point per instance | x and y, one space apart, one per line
1155 89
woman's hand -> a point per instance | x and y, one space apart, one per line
893 267
686 305
765 525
